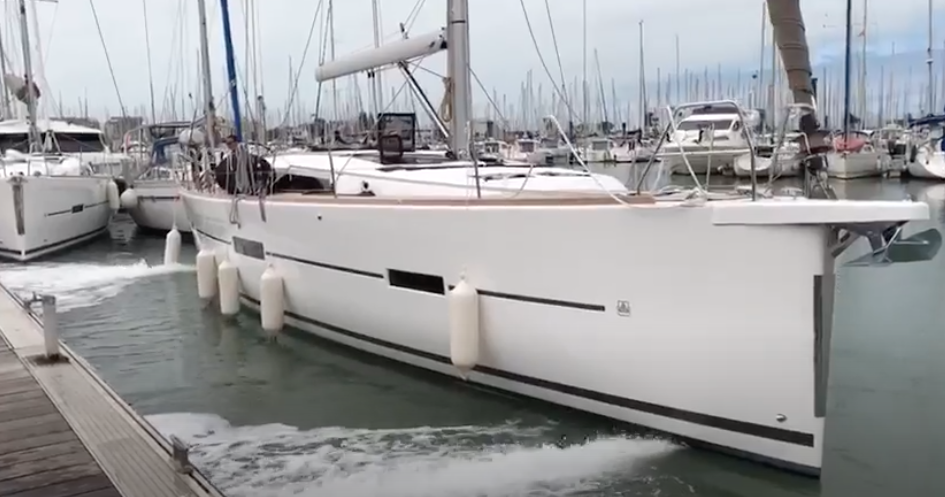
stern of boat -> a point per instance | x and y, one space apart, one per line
46 214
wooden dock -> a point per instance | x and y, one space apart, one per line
65 433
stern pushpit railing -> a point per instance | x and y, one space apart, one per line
814 178
669 132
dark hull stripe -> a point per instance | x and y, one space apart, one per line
486 293
76 209
156 197
324 265
540 300
753 429
54 245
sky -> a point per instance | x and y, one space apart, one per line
726 32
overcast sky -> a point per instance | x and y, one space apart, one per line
710 32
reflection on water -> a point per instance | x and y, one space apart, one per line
305 417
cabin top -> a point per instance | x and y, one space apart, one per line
21 126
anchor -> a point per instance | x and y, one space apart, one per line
887 244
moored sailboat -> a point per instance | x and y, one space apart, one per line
53 200
480 271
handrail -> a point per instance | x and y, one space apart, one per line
670 129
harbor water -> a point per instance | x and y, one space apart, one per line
304 417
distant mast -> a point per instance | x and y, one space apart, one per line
929 60
230 70
846 72
210 119
28 79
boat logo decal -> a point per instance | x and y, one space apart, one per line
623 308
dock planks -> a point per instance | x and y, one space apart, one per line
40 454
65 433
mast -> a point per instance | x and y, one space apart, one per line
584 81
208 106
641 91
7 114
28 79
761 91
677 98
458 54
928 62
147 44
377 88
862 91
846 71
230 70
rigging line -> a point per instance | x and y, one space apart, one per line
544 65
489 98
147 44
413 15
169 93
108 59
298 74
321 60
554 40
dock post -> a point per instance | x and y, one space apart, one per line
180 452
50 327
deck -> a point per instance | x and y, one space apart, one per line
64 433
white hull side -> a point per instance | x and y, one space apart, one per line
742 167
677 364
854 165
159 206
928 166
700 161
57 212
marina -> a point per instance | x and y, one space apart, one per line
695 284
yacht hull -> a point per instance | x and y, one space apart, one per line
786 167
700 160
49 214
854 165
159 206
927 165
608 334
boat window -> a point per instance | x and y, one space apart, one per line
156 173
695 124
491 147
76 143
549 143
416 281
526 146
14 141
600 145
166 153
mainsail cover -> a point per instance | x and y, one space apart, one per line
17 86
790 35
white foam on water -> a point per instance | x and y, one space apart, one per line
278 460
77 285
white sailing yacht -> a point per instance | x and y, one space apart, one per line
52 200
707 137
927 152
152 198
558 286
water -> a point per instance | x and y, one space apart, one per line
309 418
